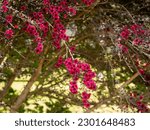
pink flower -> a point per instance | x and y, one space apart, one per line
141 97
72 66
32 30
38 39
123 48
135 28
4 8
65 16
5 2
136 41
85 95
88 2
73 87
89 75
23 8
59 62
125 33
9 18
141 71
72 10
90 84
39 48
15 26
85 67
9 33
86 104
72 48
46 2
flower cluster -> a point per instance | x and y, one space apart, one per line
4 7
123 48
137 102
137 29
88 2
59 31
134 34
80 69
9 33
9 18
40 28
32 31
137 41
125 33
72 66
72 48
141 71
36 24
56 10
59 62
39 48
76 69
40 21
85 97
73 87
88 80
23 8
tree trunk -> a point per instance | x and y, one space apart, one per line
7 86
9 82
23 95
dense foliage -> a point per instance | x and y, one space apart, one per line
74 56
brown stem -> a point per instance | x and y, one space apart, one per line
130 80
97 105
133 77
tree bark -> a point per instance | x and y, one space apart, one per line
7 86
23 95
9 82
